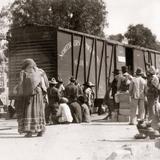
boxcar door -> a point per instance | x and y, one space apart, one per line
139 59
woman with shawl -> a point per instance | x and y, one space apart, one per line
32 89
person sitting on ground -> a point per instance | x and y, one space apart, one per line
76 111
64 114
85 111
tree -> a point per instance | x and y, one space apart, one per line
141 36
4 26
118 37
81 15
158 46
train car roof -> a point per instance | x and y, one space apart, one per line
111 42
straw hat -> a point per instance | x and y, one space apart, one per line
53 81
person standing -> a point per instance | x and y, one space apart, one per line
71 90
53 97
60 87
137 91
32 87
152 95
114 89
79 88
124 80
89 95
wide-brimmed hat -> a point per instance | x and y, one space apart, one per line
116 72
72 79
53 81
139 71
89 84
152 70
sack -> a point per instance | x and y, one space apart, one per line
30 82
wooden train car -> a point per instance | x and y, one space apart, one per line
63 52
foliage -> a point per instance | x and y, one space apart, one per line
118 37
4 26
158 46
140 35
81 15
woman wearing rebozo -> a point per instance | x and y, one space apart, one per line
32 89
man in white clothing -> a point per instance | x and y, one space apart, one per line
138 91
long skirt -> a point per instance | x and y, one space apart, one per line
30 113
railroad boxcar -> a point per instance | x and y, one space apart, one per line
65 53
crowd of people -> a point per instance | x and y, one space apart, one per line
40 101
143 89
70 103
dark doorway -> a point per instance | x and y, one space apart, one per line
129 59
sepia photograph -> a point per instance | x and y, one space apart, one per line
80 80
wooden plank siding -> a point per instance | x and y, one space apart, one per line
38 43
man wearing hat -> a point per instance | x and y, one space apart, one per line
116 74
114 83
71 90
89 95
53 97
60 86
137 91
152 94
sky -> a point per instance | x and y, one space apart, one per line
122 13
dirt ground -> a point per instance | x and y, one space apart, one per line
98 140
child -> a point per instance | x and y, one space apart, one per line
64 113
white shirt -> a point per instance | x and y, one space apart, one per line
64 113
